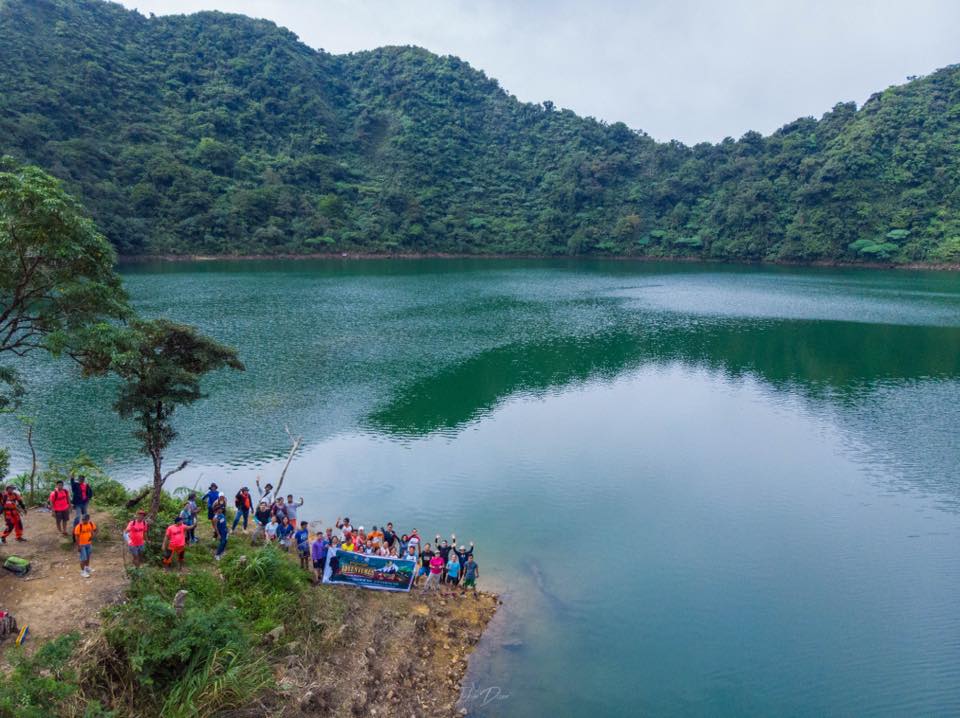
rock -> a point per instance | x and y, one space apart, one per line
179 600
275 635
370 652
462 712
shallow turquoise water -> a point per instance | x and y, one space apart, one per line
702 490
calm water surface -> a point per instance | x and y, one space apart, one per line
702 490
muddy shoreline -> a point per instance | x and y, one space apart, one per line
173 258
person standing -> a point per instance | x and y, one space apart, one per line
13 511
290 508
471 572
188 516
60 506
453 570
174 543
84 532
244 503
136 534
318 554
220 526
212 496
425 557
436 568
265 494
302 539
82 494
389 535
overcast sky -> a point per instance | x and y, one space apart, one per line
693 70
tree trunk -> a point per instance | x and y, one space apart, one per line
157 486
33 463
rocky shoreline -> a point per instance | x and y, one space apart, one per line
393 655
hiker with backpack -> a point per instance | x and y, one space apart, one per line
60 506
82 494
13 510
83 533
244 502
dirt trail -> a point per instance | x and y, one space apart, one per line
53 598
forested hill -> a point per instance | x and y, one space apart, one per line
218 134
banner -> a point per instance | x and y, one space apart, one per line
383 573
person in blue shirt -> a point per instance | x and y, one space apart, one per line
285 533
211 497
220 524
302 539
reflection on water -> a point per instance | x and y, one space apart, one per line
702 490
842 359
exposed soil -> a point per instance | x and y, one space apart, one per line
394 655
53 598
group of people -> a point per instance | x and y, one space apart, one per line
439 564
60 501
274 520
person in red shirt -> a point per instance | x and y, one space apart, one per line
60 506
13 507
175 543
136 535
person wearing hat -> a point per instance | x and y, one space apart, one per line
174 543
266 492
220 525
212 496
136 536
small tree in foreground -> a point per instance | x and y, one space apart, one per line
160 365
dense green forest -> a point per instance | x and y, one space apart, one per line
219 134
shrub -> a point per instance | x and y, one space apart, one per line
38 683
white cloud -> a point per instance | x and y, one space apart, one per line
684 69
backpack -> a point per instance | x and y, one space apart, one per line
238 501
17 566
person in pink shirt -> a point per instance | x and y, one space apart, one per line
60 506
136 535
175 543
436 568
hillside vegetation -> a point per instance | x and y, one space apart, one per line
218 134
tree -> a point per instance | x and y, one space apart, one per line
160 365
56 269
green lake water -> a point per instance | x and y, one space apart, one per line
701 490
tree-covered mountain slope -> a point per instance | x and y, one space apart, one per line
218 134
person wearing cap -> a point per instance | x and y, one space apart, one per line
174 543
212 496
265 493
83 533
220 524
244 503
136 535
